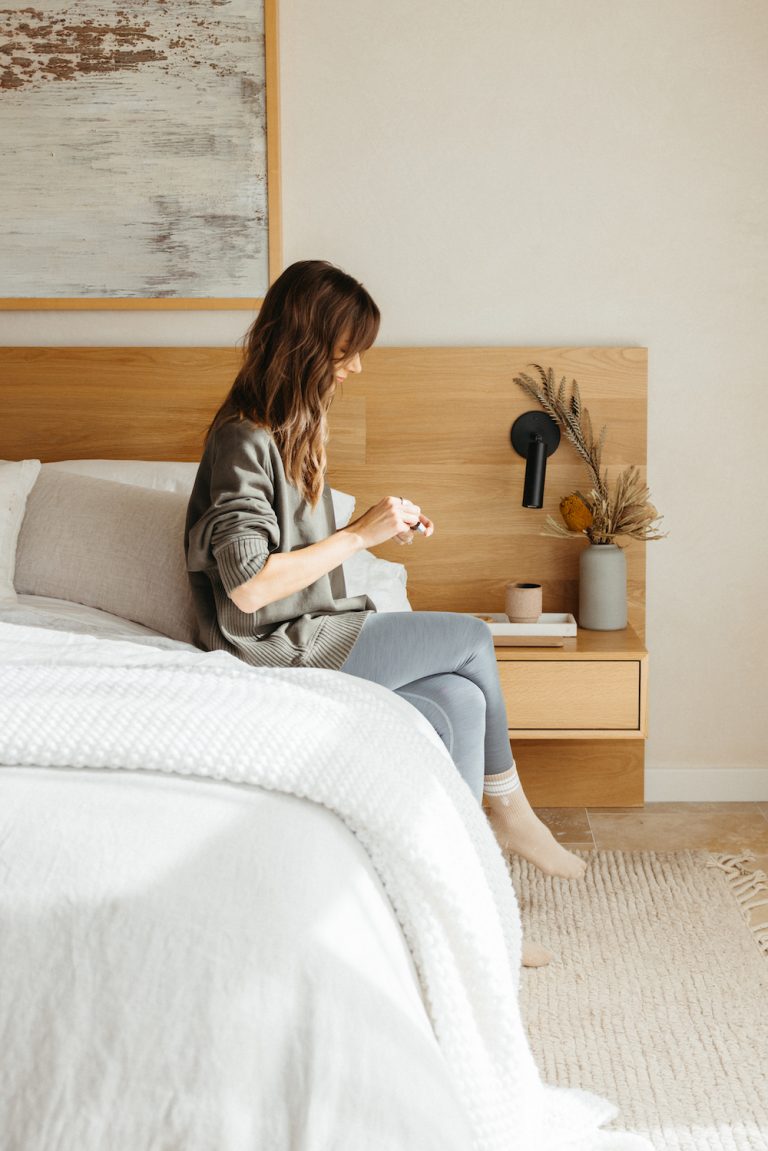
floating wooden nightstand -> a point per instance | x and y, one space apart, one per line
577 718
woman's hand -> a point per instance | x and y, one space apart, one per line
391 518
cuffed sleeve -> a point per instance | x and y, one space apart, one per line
239 559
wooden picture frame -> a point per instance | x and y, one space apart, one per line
104 55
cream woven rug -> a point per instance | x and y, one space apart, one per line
658 994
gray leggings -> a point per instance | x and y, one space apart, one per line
444 664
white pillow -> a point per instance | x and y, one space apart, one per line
343 506
160 475
17 477
364 573
382 581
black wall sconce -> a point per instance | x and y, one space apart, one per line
534 435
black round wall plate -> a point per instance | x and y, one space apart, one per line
534 424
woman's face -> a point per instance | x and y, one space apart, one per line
344 363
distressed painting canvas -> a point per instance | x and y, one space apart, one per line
134 149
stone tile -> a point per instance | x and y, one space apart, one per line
693 808
718 829
612 810
567 824
684 808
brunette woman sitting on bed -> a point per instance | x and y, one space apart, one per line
264 555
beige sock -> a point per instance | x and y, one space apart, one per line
534 955
518 829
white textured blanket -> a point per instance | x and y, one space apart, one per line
352 747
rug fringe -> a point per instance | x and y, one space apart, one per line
749 885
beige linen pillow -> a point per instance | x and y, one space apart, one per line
110 545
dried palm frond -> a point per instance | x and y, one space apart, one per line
572 416
602 515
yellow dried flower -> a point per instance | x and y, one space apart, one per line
575 512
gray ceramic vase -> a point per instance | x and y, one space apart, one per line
603 588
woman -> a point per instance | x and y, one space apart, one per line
265 559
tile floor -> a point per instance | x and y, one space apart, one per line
715 827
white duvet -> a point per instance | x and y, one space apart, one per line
197 958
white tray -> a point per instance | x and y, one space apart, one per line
548 623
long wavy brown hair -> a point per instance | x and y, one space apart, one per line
286 383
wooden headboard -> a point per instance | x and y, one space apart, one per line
428 423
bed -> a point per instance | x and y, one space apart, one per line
241 909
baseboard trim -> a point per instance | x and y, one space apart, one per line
706 784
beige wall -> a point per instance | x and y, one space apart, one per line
565 171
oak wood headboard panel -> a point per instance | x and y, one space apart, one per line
428 423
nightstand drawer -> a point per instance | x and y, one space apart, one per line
577 696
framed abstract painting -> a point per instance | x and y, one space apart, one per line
140 153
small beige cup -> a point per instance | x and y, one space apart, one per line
522 602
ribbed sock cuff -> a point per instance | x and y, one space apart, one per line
502 783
